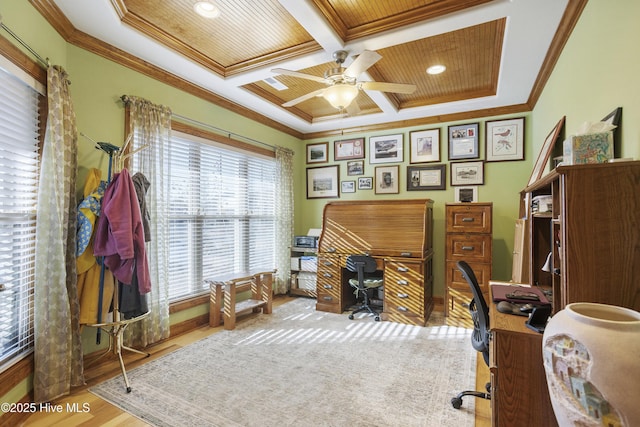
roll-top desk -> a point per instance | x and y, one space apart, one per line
399 235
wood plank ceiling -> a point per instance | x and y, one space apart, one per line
250 37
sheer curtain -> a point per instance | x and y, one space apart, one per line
57 345
150 128
284 218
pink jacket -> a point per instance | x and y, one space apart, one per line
119 233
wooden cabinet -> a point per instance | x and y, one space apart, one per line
399 235
592 233
519 387
469 238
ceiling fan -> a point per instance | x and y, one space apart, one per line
342 83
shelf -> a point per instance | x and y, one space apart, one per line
298 249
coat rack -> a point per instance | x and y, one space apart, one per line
117 326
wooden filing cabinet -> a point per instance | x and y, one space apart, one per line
469 238
408 284
328 284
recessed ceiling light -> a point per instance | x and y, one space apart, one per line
436 69
206 9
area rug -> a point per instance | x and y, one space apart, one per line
301 367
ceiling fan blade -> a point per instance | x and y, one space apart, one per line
388 87
303 98
297 74
365 60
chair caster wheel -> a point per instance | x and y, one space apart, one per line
128 389
351 316
456 402
377 318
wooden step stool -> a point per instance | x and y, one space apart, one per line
223 304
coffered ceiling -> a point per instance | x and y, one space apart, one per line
497 53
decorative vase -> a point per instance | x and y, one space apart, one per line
591 358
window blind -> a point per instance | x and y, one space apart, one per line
19 162
221 211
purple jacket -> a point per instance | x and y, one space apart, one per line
119 233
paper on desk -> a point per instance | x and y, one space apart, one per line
596 127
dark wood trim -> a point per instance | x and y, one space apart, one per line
567 24
188 303
16 373
22 60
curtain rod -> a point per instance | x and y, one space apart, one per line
43 61
222 131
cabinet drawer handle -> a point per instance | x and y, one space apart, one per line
402 282
327 274
404 296
403 269
328 263
467 248
468 219
327 286
331 250
405 253
402 308
327 298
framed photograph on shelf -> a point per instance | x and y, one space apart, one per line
545 152
355 167
318 153
348 186
425 146
463 142
466 194
504 140
426 177
365 183
387 179
386 149
322 182
467 173
348 149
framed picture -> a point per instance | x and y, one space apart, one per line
386 149
614 118
355 167
365 183
349 149
467 173
348 186
545 152
463 141
387 178
426 177
504 140
425 146
466 194
322 182
318 153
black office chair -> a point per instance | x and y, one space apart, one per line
362 264
480 336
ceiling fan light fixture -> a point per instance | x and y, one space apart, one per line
206 9
436 69
340 95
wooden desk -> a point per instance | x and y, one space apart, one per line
519 394
399 235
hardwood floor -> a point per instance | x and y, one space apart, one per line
102 413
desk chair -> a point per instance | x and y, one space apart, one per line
480 337
362 264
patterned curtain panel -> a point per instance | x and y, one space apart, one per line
57 345
150 129
284 214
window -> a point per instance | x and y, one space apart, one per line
19 162
221 212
